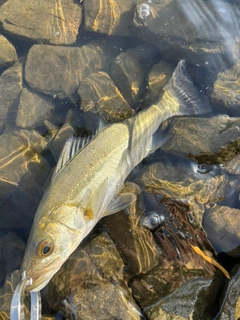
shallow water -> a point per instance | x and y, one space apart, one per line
66 66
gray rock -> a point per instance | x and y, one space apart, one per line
90 285
43 22
222 226
6 293
58 70
183 30
109 17
205 139
22 174
99 95
193 300
33 109
129 76
157 79
230 308
135 244
11 255
8 53
10 88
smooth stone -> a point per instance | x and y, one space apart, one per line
135 243
226 90
6 294
110 17
222 226
158 77
99 94
90 285
44 22
129 76
233 166
11 255
10 89
208 140
181 29
8 54
230 308
195 300
33 109
23 172
58 70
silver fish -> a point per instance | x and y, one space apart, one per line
88 182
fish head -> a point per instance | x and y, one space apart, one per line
53 238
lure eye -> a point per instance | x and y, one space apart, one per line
44 248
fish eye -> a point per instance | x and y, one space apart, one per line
44 248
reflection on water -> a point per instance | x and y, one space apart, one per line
65 67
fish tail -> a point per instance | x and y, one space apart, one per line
181 96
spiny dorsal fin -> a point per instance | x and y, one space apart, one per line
72 146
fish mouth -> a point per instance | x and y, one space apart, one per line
39 280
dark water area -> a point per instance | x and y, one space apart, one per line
69 67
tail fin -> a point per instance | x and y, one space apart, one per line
181 91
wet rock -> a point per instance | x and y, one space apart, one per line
109 17
99 95
129 76
10 88
90 284
226 90
33 109
230 309
22 174
44 22
233 166
6 293
11 255
8 53
58 71
135 244
200 40
59 138
182 181
157 79
193 300
222 226
208 140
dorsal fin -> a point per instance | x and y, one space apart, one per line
72 146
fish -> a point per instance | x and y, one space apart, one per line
89 179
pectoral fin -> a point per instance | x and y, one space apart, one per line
126 196
97 200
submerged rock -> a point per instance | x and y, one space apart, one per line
22 174
33 109
135 244
58 70
221 223
43 22
90 285
109 17
230 308
99 95
193 300
157 79
10 89
197 31
11 255
129 76
208 140
8 53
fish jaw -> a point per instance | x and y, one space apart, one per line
40 279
